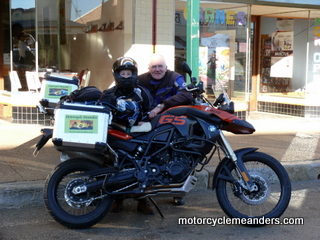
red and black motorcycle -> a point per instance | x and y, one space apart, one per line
162 162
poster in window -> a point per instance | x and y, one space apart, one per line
285 24
282 67
223 65
214 40
218 47
282 41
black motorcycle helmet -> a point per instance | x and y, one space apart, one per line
125 63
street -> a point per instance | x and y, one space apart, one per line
35 223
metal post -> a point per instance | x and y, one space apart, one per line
193 8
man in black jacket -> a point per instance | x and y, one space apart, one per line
167 89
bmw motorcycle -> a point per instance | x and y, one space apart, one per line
249 184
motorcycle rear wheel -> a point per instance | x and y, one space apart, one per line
269 201
75 211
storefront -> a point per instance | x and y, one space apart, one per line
265 54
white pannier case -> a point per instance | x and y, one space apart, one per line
53 87
81 127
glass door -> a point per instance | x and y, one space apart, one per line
23 35
224 46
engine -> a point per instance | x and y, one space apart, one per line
168 158
169 167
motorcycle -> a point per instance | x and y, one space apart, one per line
249 184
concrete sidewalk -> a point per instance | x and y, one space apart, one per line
22 176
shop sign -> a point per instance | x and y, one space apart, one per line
216 17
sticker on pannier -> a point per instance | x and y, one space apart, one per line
80 126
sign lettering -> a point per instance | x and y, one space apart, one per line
216 17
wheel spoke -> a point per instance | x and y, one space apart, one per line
269 199
71 203
75 209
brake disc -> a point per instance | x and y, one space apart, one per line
76 200
261 194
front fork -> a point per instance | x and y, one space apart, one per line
237 160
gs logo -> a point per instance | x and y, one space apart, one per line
175 120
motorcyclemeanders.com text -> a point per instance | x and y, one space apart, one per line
236 221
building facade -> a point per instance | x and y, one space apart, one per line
264 53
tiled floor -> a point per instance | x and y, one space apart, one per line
290 109
22 108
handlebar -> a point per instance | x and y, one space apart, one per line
193 87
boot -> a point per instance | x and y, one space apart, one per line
117 206
144 206
179 201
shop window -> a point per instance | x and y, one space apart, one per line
223 49
23 38
284 54
77 35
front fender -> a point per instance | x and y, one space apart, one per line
225 165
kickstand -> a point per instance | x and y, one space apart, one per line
156 205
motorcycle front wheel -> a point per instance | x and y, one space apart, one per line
268 201
69 208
